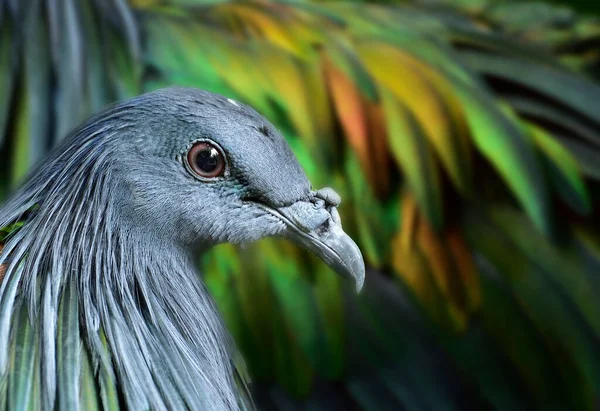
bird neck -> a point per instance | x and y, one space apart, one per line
152 306
144 315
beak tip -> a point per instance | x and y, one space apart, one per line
359 276
330 243
359 285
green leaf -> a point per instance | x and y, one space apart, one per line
414 155
346 60
36 84
560 262
68 56
328 298
8 64
564 367
498 137
363 213
571 90
123 69
568 122
293 295
564 171
588 157
10 229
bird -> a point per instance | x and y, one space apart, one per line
463 137
101 306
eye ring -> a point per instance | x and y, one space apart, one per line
206 160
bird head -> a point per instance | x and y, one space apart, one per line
200 169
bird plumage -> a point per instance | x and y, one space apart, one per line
140 295
101 291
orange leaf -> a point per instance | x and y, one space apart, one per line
379 149
409 221
348 104
438 259
466 269
427 95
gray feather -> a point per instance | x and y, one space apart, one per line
90 398
104 262
69 349
22 365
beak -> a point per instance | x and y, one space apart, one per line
318 229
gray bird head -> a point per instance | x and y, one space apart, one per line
109 223
200 169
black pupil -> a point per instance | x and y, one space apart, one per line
208 159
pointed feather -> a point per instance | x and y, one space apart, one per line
24 351
108 384
89 396
69 349
3 388
36 391
8 291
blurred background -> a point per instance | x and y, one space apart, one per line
463 136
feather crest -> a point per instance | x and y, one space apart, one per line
92 285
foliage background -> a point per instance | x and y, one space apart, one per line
463 139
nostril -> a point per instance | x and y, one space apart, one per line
318 203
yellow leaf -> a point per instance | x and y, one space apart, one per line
421 89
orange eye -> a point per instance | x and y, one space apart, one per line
206 160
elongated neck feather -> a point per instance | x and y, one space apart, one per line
144 318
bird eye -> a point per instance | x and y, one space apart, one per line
206 160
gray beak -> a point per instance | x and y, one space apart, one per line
316 226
